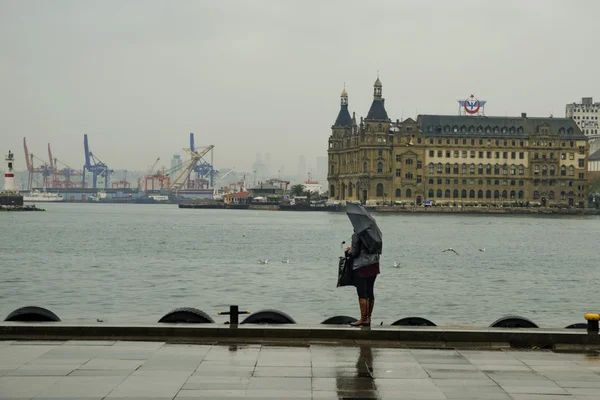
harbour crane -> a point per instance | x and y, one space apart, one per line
37 176
66 171
94 165
203 169
183 178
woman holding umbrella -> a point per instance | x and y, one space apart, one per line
365 251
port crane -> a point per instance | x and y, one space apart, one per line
66 171
94 165
203 169
39 176
182 180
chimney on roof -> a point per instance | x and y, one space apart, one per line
523 115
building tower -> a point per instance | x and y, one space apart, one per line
342 128
375 184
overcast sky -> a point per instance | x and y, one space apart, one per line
265 76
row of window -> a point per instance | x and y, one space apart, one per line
494 154
505 194
489 182
504 182
432 193
470 169
489 129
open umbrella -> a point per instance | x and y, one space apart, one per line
365 227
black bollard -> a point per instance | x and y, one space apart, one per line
592 322
233 313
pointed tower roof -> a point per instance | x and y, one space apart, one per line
343 118
377 111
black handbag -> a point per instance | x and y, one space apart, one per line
345 272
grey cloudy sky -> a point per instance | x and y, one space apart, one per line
265 76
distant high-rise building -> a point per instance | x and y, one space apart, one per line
322 167
176 163
268 171
301 167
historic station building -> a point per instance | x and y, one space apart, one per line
455 158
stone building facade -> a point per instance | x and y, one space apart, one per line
455 159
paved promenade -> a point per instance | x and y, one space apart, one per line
158 370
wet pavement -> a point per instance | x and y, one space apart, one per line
159 370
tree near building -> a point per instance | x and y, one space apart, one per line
594 187
297 190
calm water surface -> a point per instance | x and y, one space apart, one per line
134 263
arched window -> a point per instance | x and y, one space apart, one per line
365 167
536 170
488 194
472 169
379 190
513 194
408 193
552 170
488 169
480 169
513 170
463 194
504 194
379 168
447 193
431 181
350 190
430 168
496 169
521 195
448 168
563 171
398 193
332 191
536 195
456 169
464 169
439 168
439 193
562 195
431 193
521 170
544 170
471 194
571 171
505 169
480 194
496 194
455 194
332 169
551 195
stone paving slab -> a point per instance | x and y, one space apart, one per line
116 370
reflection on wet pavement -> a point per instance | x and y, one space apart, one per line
114 369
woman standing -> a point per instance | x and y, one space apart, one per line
366 268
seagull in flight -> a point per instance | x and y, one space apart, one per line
452 250
265 261
396 264
286 261
481 249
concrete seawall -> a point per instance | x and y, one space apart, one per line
434 337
